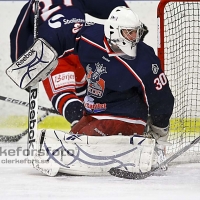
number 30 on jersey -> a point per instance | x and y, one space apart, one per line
160 81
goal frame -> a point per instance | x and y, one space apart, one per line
160 28
161 33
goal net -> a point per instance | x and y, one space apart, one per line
179 52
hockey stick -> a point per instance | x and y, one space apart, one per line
23 103
16 138
33 97
133 175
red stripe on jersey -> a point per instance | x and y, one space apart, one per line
64 100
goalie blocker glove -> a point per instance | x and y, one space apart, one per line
160 135
34 65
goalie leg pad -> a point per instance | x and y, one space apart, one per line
34 65
95 155
49 168
48 153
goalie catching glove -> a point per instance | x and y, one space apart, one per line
34 65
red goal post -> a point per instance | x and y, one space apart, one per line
179 52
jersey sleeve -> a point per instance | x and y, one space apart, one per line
61 30
159 96
66 87
21 32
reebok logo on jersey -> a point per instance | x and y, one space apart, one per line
106 59
25 57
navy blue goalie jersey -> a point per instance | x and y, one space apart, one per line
126 90
121 89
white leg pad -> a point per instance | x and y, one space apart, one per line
95 155
46 160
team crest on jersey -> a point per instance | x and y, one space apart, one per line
96 84
155 68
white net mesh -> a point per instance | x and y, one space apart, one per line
182 67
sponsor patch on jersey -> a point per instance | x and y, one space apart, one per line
63 79
57 21
92 107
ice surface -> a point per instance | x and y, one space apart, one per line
179 183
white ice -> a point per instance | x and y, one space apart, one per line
179 183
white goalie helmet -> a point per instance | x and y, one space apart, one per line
123 29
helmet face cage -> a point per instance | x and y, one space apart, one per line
126 34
